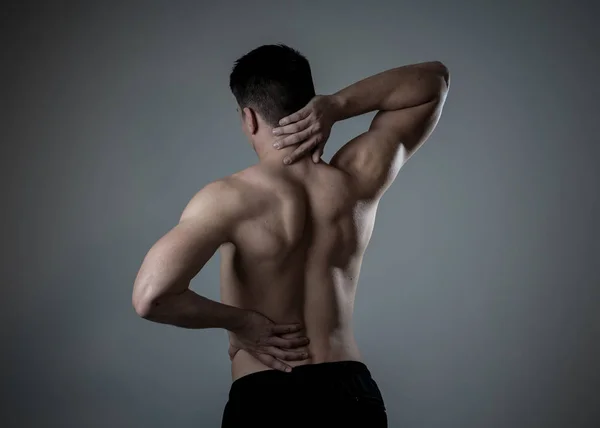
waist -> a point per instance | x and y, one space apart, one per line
333 394
305 375
334 350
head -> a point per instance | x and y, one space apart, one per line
269 83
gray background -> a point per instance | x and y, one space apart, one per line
478 302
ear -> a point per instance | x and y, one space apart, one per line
250 120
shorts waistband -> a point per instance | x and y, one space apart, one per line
318 371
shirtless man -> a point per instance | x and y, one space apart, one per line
292 231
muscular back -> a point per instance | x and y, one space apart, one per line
296 256
292 237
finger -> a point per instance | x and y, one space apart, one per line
318 153
274 363
280 342
290 140
295 356
282 355
286 328
293 128
299 115
301 151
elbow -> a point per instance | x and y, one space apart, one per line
442 71
142 302
142 307
437 79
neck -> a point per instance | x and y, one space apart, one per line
267 154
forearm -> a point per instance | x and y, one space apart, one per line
190 310
394 89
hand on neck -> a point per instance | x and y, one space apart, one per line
269 154
262 139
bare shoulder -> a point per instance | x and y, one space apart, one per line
222 197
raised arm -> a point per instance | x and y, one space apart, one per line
409 101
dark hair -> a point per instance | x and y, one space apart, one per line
275 80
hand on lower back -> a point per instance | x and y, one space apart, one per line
309 127
263 339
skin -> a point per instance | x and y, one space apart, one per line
292 229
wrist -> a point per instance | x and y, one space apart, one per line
237 319
338 103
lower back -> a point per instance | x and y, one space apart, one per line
335 348
321 299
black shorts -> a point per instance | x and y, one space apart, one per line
328 394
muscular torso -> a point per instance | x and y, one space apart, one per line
297 256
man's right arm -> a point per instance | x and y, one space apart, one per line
161 290
409 100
